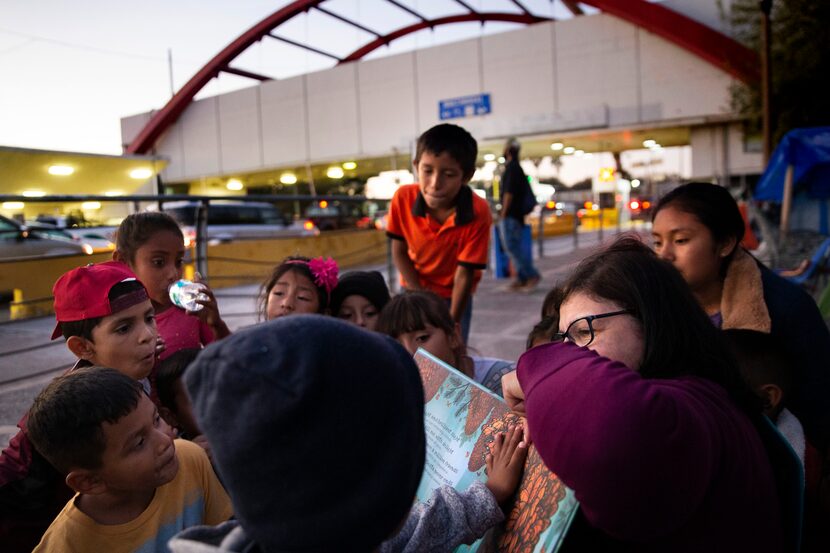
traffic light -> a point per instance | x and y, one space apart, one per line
606 174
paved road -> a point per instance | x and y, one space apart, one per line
501 323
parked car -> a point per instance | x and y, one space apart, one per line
61 221
230 220
328 216
98 238
18 240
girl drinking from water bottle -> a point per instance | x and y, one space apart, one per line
152 244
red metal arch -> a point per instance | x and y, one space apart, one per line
463 18
715 48
719 50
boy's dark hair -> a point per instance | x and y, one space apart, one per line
544 329
65 421
84 327
761 358
281 269
679 338
413 310
136 229
455 141
552 302
713 206
169 371
548 325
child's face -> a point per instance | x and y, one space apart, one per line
434 340
360 311
158 264
439 178
688 244
139 454
292 294
126 341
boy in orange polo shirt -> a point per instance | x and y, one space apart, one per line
440 228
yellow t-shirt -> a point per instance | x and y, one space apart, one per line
193 497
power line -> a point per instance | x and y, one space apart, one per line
35 38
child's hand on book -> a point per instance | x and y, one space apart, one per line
505 463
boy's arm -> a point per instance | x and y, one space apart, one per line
462 289
449 519
404 264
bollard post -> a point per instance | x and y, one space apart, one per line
600 225
16 310
202 237
541 237
390 267
576 229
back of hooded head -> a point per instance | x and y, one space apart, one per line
317 431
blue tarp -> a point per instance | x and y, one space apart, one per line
808 151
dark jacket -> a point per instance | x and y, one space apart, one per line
756 298
514 181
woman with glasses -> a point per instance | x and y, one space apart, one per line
639 408
698 228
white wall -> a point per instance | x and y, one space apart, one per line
590 72
711 159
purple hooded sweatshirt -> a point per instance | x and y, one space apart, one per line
668 464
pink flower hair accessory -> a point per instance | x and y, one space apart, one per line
325 272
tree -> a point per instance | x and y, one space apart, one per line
800 63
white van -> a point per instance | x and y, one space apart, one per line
229 221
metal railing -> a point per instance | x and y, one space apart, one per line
203 207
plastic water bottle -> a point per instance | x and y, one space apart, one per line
184 293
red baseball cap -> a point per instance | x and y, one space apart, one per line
83 293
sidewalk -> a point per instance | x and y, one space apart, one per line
501 322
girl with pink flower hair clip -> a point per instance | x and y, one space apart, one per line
298 285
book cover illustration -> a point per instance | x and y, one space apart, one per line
461 419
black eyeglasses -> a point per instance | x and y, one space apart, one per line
581 331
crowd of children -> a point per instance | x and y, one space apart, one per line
313 419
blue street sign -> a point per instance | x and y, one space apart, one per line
465 106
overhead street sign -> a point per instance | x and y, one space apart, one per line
465 106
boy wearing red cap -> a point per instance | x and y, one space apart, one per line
106 318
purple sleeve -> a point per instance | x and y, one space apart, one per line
636 452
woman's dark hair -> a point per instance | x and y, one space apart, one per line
136 229
713 206
299 265
679 338
412 311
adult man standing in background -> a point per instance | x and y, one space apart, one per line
516 195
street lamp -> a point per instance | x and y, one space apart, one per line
766 76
